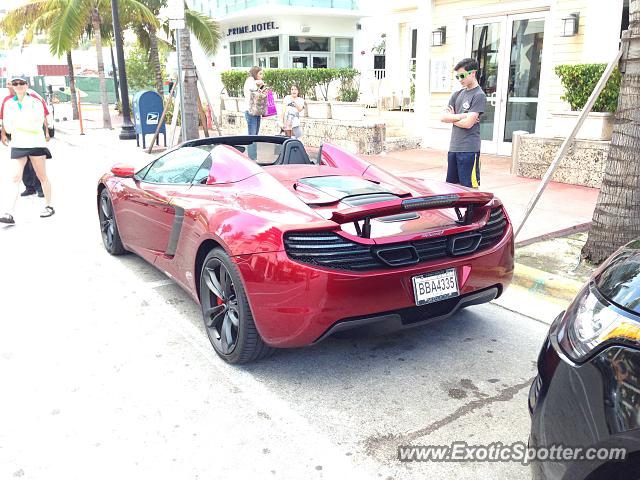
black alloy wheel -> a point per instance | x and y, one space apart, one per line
108 227
226 312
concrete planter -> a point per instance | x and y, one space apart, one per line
347 111
318 109
597 126
230 104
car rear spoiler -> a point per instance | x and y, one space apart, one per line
466 200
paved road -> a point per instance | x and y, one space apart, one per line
106 372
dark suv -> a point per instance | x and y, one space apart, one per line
587 392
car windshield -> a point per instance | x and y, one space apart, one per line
264 153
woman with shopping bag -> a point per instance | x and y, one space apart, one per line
255 99
256 105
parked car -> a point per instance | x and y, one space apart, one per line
587 391
285 251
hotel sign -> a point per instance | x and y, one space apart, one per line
256 27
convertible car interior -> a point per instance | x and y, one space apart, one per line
269 150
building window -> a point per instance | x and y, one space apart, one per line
344 52
308 44
241 53
414 47
269 44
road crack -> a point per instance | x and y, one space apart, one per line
389 442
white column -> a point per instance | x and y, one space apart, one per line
423 59
394 69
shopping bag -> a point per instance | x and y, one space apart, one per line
258 103
271 105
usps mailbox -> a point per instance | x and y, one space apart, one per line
147 109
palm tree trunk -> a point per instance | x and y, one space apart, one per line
72 86
154 57
616 220
95 22
190 107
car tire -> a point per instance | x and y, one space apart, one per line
226 313
108 226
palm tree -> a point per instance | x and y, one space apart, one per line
32 18
204 28
74 16
616 220
207 33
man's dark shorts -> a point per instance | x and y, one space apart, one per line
464 168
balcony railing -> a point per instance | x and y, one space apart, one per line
233 6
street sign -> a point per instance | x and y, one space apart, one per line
175 12
176 24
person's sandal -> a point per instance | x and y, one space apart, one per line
7 218
47 212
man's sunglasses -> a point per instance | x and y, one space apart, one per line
463 75
19 82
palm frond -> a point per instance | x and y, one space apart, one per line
137 12
204 28
67 28
22 17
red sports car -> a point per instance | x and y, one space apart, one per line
283 251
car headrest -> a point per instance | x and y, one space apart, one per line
293 153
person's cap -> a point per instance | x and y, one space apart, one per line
19 76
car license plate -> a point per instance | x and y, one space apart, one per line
435 286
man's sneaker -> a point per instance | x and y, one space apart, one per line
27 192
40 194
7 218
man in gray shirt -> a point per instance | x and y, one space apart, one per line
463 111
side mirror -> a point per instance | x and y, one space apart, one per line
123 170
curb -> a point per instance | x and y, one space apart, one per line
545 283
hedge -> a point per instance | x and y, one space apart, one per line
280 81
580 80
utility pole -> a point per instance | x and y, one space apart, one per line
128 131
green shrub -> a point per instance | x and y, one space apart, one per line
233 81
580 80
279 80
349 89
412 87
140 72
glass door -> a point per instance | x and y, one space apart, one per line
487 41
523 83
509 52
300 61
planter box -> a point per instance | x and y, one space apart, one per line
597 126
318 109
230 104
347 111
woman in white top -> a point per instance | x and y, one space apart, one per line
293 105
24 119
252 83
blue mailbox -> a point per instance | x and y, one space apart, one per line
147 109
